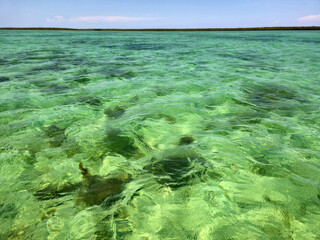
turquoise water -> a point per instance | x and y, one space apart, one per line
181 135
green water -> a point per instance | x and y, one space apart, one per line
186 135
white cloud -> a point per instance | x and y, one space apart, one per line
56 19
94 19
310 18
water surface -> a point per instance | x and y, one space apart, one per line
186 135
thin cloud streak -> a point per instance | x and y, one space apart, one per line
310 18
56 19
96 19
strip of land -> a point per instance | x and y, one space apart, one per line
174 29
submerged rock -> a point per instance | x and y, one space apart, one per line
57 88
82 79
266 96
114 112
101 189
8 210
51 88
299 141
93 101
245 120
143 46
161 90
117 71
56 135
116 142
175 169
4 79
269 170
186 140
94 190
49 67
168 118
52 192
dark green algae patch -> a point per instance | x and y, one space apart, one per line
98 190
4 79
114 112
178 167
56 135
92 190
186 140
175 168
117 142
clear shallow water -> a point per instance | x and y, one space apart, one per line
186 135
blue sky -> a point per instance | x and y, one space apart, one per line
158 13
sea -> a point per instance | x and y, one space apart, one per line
211 135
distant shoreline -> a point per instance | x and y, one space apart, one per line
174 29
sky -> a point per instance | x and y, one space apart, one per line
159 13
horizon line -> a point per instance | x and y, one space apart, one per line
168 29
